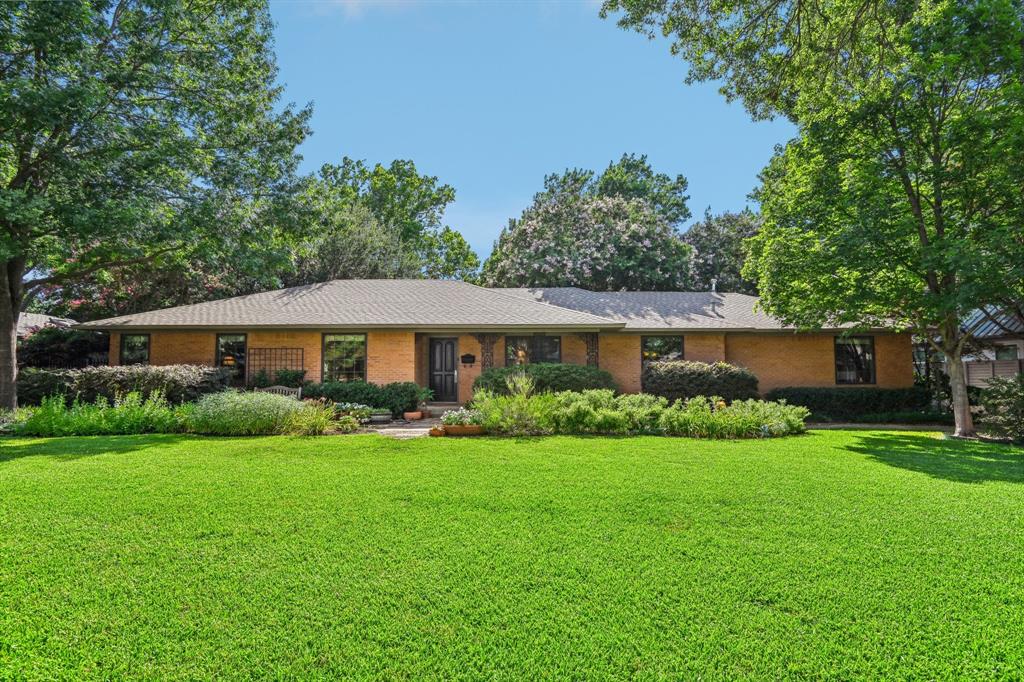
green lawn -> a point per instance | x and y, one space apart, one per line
835 554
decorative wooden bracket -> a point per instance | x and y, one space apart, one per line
590 339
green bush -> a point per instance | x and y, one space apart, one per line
682 379
292 378
546 377
1002 404
852 403
235 413
315 418
61 347
130 414
177 383
522 412
398 397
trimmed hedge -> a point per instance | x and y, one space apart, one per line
850 404
685 379
178 383
551 377
399 397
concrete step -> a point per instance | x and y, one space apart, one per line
437 409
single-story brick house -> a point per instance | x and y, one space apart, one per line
442 334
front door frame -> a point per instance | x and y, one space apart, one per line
432 370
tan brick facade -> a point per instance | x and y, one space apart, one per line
781 360
777 359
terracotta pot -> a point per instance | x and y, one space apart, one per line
412 416
463 429
437 431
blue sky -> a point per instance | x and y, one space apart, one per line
491 96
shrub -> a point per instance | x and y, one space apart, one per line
291 378
398 397
682 379
315 418
357 411
261 379
234 413
704 417
177 383
61 347
546 377
519 412
129 414
461 417
1002 404
346 424
852 403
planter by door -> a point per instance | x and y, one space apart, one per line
444 378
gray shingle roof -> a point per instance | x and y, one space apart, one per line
411 303
30 322
658 310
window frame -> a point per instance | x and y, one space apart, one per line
323 355
120 349
643 340
874 360
1006 346
530 348
244 378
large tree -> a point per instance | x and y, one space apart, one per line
598 243
719 251
132 131
900 201
400 197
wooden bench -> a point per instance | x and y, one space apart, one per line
283 390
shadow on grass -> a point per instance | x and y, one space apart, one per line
77 447
954 460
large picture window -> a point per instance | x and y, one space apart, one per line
231 354
524 350
344 357
1006 352
654 348
855 360
134 349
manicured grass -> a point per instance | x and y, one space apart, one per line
835 554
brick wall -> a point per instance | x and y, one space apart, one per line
809 359
704 347
468 374
620 355
390 356
311 343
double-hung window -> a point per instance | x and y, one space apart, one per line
344 357
855 360
231 352
134 349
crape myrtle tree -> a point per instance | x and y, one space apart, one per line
607 232
899 203
719 251
132 132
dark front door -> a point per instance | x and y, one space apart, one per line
443 375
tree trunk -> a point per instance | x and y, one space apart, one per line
10 310
962 419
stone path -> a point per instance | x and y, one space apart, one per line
402 429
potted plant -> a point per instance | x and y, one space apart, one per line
380 415
422 396
356 410
462 422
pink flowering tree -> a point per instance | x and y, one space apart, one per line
599 243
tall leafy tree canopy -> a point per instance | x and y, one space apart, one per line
900 201
131 131
719 251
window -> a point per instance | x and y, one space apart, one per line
653 348
855 360
523 350
231 353
1006 352
134 349
344 357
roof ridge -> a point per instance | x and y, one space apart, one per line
560 307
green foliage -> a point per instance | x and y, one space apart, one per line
261 379
346 424
177 383
601 412
357 411
398 397
462 417
1002 402
291 378
546 377
139 134
719 252
236 413
127 414
58 347
852 403
314 419
681 379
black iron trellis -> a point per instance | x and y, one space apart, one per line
271 360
